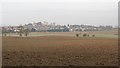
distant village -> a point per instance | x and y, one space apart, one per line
53 27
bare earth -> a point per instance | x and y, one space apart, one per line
59 51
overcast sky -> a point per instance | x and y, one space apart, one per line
93 12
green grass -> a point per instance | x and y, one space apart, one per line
73 35
106 35
46 34
118 36
67 34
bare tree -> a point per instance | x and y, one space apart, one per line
26 31
21 30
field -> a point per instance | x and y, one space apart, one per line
102 34
59 51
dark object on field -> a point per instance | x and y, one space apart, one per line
20 34
77 35
85 35
93 35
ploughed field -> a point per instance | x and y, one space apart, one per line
59 51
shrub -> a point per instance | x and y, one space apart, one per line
77 35
84 35
93 35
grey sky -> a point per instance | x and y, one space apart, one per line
94 12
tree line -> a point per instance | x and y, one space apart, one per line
20 32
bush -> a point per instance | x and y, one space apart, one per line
84 35
77 35
93 35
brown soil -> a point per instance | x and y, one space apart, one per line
59 51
